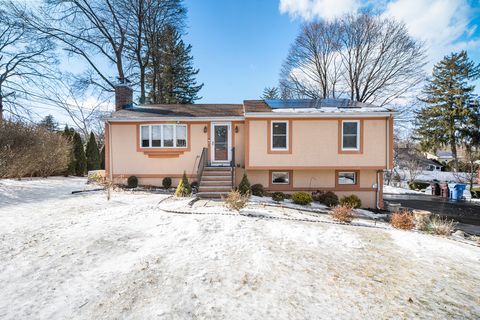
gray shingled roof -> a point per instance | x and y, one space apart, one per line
180 110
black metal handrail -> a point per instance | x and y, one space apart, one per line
202 164
232 165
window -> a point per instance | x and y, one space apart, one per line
163 136
280 178
279 136
350 135
347 178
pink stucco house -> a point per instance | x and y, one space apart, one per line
288 145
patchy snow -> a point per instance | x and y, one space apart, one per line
396 190
288 203
80 256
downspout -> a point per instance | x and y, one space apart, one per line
387 144
110 158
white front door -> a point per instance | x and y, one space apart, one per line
221 140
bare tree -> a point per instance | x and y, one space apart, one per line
312 67
85 108
24 56
362 57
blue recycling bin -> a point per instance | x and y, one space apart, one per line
456 190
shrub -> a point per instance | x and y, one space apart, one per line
194 185
183 188
343 214
30 150
244 186
351 201
402 220
167 182
442 226
132 182
235 200
417 185
257 190
327 198
278 196
302 198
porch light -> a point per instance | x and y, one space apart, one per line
205 129
236 129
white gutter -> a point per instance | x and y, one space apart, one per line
318 115
192 119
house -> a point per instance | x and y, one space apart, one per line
407 157
290 145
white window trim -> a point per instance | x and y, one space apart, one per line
358 135
271 135
282 183
347 184
161 136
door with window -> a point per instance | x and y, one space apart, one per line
221 141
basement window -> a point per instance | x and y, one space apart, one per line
347 178
281 177
163 136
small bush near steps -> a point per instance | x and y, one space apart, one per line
404 220
167 182
244 186
343 214
351 201
278 196
132 182
302 198
236 201
183 188
257 190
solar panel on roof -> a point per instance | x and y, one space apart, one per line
311 103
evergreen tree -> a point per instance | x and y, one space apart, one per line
49 123
270 93
69 133
92 154
450 105
79 153
171 75
102 158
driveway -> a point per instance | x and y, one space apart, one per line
464 212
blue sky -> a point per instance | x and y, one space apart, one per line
239 46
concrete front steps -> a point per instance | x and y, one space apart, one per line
216 182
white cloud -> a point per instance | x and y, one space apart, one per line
443 25
324 9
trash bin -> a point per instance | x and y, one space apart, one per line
444 190
435 188
456 190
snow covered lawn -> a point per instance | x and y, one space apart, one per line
82 257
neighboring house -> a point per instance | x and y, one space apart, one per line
406 157
292 145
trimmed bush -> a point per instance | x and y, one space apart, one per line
343 214
235 200
183 188
417 185
244 186
403 220
194 185
257 190
278 196
167 182
327 198
351 201
302 198
132 182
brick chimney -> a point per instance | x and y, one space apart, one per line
123 95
